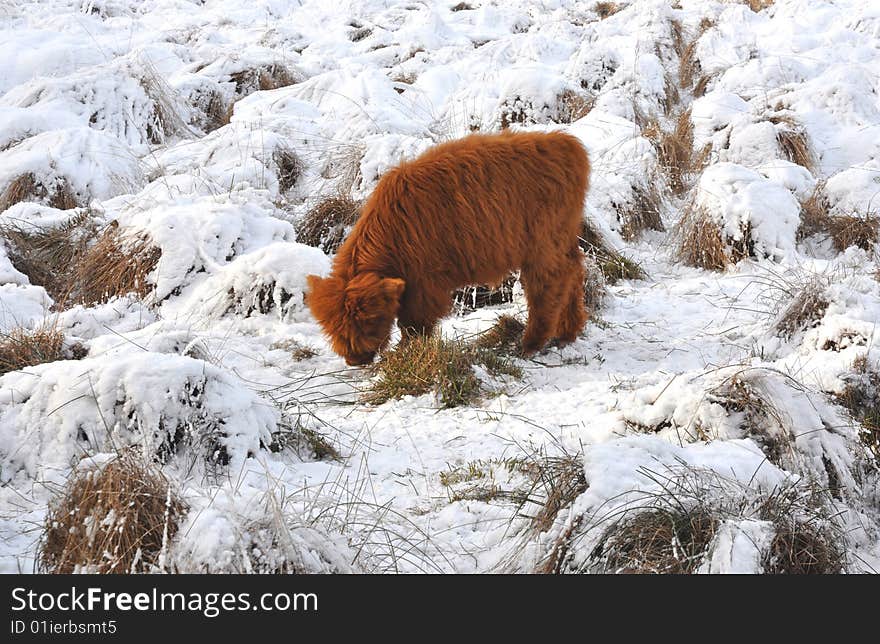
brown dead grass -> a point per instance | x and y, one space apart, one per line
676 527
606 9
263 78
702 244
47 255
424 364
289 167
661 541
217 110
25 187
688 65
594 287
802 548
558 482
758 5
861 397
613 265
297 350
815 213
327 223
115 520
21 348
760 418
117 264
675 151
505 335
343 165
572 106
803 311
643 213
792 140
419 365
700 241
854 230
165 119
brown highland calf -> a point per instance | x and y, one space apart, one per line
465 212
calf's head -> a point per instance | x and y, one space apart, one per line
356 314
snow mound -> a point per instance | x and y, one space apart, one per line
200 234
94 165
125 99
173 407
21 305
225 534
749 209
271 279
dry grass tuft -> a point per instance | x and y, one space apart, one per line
673 527
701 85
675 151
344 166
327 223
571 106
792 140
660 541
462 6
165 119
860 230
303 440
48 255
701 242
606 9
804 311
758 5
594 286
612 264
420 364
115 265
290 167
404 78
559 481
503 336
815 213
861 397
802 548
297 350
760 419
217 110
799 550
263 78
359 34
854 230
115 520
643 213
21 348
25 187
688 65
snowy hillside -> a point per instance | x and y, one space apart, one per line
171 170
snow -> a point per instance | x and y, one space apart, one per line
739 198
113 97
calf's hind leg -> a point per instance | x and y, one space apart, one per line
544 287
573 315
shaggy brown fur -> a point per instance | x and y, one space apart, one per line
465 212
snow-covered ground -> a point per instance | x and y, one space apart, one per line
116 98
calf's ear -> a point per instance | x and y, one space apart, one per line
393 288
314 281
